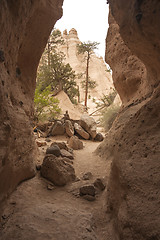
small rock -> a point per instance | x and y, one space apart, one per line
89 198
70 150
87 176
48 140
75 143
69 128
67 160
77 179
99 184
61 145
50 187
66 154
55 150
99 137
87 190
41 144
38 167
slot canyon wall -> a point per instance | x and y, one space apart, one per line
133 52
25 27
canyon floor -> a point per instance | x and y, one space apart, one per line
35 212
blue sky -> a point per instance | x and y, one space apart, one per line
89 18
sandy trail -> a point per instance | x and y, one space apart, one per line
35 213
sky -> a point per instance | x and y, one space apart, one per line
89 18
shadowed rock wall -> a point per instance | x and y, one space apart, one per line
25 27
129 73
133 204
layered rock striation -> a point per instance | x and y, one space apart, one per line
25 27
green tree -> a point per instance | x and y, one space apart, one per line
54 40
46 106
54 72
88 49
105 101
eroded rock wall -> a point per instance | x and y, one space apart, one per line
25 27
129 73
132 144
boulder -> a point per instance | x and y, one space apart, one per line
81 131
89 124
57 170
75 143
61 145
43 126
66 154
99 184
87 190
99 137
69 128
57 129
55 150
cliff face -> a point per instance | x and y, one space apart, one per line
25 27
132 144
97 69
129 73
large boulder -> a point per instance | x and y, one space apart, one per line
75 143
69 128
57 170
81 131
89 124
57 129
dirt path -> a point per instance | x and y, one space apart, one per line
35 213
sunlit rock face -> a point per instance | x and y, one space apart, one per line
25 27
133 142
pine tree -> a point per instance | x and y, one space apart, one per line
54 72
88 49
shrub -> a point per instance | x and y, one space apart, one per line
109 115
46 106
